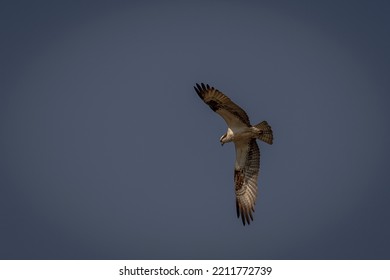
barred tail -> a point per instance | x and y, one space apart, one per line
265 133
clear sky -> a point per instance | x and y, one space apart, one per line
106 151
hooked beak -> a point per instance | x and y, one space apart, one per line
222 143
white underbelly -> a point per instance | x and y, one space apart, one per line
240 133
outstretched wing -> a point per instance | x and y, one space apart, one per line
246 172
233 115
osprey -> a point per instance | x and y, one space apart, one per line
244 135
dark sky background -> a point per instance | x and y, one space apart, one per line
106 151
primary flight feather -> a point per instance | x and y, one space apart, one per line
244 135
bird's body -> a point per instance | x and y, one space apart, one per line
235 134
244 135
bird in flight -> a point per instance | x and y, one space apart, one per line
244 135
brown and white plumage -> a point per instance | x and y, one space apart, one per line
240 131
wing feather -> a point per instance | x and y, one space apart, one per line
246 173
233 114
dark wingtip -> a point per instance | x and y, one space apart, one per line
243 218
248 221
202 86
246 215
198 90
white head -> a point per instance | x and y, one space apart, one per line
224 139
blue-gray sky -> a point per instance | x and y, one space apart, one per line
106 151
